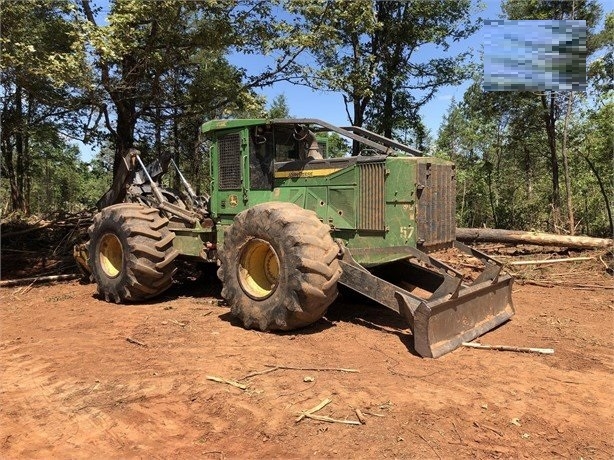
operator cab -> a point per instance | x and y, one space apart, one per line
271 146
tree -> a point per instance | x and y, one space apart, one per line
149 52
551 102
337 146
279 108
43 86
368 50
500 143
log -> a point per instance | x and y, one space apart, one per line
40 279
26 230
491 235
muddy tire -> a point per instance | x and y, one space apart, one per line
131 253
279 267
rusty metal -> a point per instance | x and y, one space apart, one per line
436 207
455 311
371 196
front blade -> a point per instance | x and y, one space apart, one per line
443 324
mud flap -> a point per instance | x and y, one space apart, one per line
454 313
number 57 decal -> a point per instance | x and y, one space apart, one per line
406 232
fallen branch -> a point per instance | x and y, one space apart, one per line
477 425
292 368
40 279
460 438
136 342
361 418
427 443
607 267
22 291
552 283
541 239
543 351
549 261
323 418
25 231
537 283
313 409
227 382
273 368
253 374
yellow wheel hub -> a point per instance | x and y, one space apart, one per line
111 255
258 269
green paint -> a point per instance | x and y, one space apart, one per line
331 188
192 241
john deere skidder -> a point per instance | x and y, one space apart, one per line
287 226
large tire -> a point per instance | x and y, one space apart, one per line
131 253
279 267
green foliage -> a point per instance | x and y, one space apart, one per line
45 86
279 108
61 181
510 147
501 150
151 72
337 146
369 51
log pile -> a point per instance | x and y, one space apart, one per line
41 250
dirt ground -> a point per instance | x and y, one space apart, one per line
73 386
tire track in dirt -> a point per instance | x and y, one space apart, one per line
72 386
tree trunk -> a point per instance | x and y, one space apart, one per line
604 193
17 195
28 156
549 117
529 175
358 121
124 141
570 217
542 239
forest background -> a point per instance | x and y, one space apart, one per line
81 82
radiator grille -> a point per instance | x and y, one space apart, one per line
435 213
229 169
371 199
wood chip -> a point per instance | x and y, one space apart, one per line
361 418
136 342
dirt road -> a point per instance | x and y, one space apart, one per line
73 386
